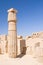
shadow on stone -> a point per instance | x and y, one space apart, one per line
20 56
22 47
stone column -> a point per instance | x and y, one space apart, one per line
12 33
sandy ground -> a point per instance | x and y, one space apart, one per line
21 60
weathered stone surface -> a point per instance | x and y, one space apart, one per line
12 39
15 45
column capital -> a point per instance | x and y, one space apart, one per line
12 15
12 10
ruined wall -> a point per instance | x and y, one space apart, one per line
3 43
31 45
21 45
34 44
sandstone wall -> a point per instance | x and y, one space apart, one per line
3 43
34 46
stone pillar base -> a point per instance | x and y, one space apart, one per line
12 55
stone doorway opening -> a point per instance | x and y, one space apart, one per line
24 50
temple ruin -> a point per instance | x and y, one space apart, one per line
14 45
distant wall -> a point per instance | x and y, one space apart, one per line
3 43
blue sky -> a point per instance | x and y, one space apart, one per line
29 16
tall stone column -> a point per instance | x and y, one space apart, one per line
12 33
